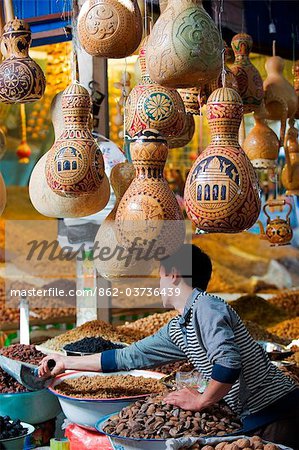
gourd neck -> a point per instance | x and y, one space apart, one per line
221 140
242 59
144 171
16 41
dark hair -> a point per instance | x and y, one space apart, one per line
194 266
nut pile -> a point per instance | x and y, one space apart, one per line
253 443
289 301
261 334
149 325
177 366
288 329
24 353
154 419
101 387
94 328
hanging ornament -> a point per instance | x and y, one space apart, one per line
150 105
280 97
21 78
50 204
250 83
221 192
75 163
122 263
110 28
2 194
278 231
185 137
261 144
290 172
296 85
23 150
184 47
149 210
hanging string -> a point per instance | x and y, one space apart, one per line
152 16
223 71
75 42
200 127
124 93
274 48
145 19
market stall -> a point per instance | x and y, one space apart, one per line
132 134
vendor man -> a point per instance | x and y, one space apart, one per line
212 336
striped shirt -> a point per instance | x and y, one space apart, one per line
211 335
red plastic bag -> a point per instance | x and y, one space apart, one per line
82 439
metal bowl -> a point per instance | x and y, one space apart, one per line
86 412
17 443
32 407
275 351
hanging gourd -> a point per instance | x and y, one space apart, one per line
23 150
50 204
21 78
186 136
110 28
150 105
290 172
149 210
195 98
75 163
261 144
296 85
280 97
278 230
250 83
184 47
122 263
221 192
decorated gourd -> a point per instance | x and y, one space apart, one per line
280 97
110 28
221 191
186 136
75 163
261 144
290 172
50 204
184 47
250 83
149 210
296 85
150 105
21 78
122 263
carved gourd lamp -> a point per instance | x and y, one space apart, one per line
75 163
184 47
250 83
149 210
261 144
221 191
290 172
281 101
150 105
120 264
110 28
21 78
50 204
296 85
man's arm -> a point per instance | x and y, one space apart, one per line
148 352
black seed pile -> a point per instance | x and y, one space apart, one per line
11 428
92 345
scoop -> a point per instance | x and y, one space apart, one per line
26 374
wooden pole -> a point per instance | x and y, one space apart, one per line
9 10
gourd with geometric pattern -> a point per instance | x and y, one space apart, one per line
150 105
184 47
21 78
221 191
75 164
250 83
50 204
290 172
149 210
110 28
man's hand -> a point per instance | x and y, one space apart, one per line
187 398
43 369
